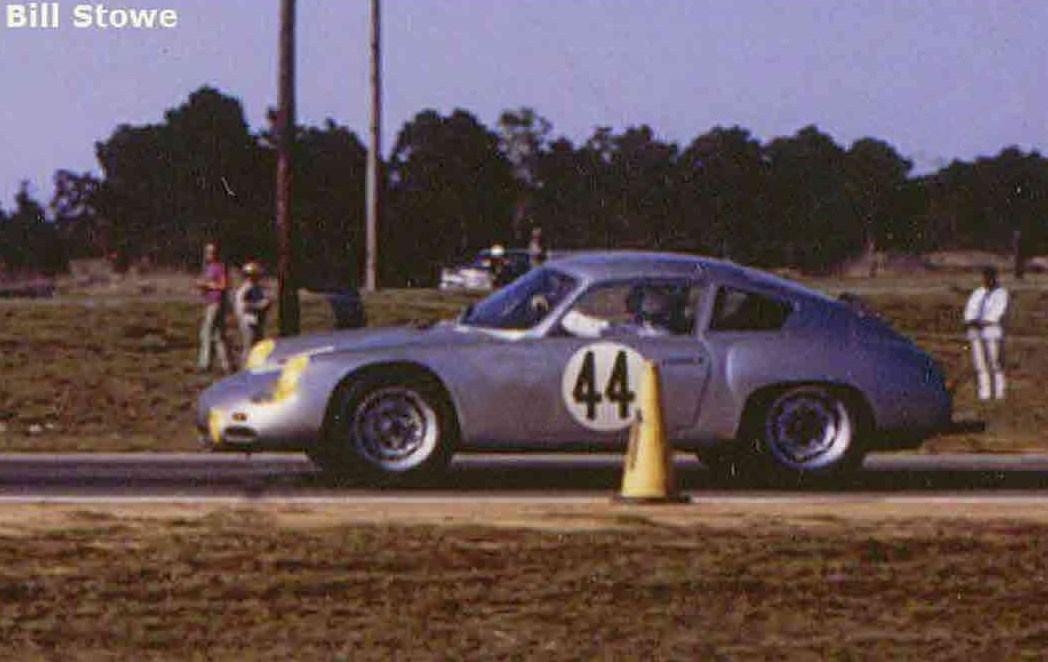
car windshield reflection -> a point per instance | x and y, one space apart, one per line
523 303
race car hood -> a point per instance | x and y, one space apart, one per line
358 340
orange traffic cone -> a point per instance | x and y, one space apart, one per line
648 473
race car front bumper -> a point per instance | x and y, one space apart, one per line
239 414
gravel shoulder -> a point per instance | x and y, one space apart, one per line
798 580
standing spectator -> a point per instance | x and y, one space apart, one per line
982 319
347 308
334 280
501 274
250 304
536 249
212 285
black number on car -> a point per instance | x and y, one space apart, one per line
585 391
618 389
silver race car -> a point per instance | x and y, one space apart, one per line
757 373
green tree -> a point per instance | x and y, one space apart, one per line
813 223
451 191
722 176
455 186
572 203
614 191
641 184
563 195
523 136
329 204
876 177
29 243
983 204
199 176
74 208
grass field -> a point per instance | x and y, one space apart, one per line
273 582
117 372
928 309
113 369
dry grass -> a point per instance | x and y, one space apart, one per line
117 373
110 368
928 309
628 583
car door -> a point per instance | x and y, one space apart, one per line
583 382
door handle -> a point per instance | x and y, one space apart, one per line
683 360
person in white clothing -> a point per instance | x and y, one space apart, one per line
983 315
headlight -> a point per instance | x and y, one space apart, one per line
214 426
287 383
259 353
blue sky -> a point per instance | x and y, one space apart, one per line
939 79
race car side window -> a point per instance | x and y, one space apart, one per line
634 308
738 310
522 304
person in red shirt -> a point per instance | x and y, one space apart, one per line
213 283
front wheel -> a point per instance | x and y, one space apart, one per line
387 429
807 432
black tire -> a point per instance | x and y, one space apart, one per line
802 435
391 428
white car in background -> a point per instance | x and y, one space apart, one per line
478 274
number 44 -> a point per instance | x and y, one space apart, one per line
617 390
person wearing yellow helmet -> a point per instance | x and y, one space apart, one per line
251 303
501 274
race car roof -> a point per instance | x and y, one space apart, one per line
612 265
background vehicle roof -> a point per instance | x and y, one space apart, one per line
612 265
507 251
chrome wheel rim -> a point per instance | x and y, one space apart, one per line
394 428
808 429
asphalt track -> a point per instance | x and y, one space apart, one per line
203 477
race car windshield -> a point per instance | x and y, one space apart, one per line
523 303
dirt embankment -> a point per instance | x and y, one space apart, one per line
570 582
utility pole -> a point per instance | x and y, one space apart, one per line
374 203
287 286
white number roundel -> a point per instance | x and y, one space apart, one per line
600 383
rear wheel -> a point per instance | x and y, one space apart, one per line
388 428
804 433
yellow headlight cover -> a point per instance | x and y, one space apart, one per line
259 353
287 383
214 426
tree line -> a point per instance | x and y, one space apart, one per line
453 185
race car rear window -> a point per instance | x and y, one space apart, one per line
738 310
